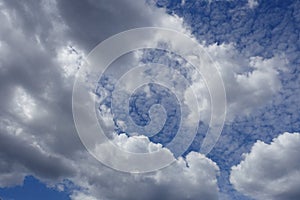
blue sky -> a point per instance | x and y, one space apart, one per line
32 189
257 46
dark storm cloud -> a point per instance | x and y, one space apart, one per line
27 62
17 151
92 21
33 19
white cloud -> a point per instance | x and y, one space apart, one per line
70 60
193 178
24 104
270 171
252 3
250 83
82 196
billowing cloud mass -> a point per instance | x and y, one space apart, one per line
270 171
42 45
192 178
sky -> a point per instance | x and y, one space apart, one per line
150 100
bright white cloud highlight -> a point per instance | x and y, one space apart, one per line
191 178
250 83
270 171
252 3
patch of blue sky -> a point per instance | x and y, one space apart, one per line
270 27
141 100
33 189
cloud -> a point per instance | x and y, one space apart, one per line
250 82
252 3
105 18
190 178
81 196
18 149
270 171
41 55
41 46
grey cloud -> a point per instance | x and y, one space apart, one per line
92 21
16 150
31 66
45 145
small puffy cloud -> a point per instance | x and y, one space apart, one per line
270 171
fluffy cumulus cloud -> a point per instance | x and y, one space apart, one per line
270 171
250 82
191 178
